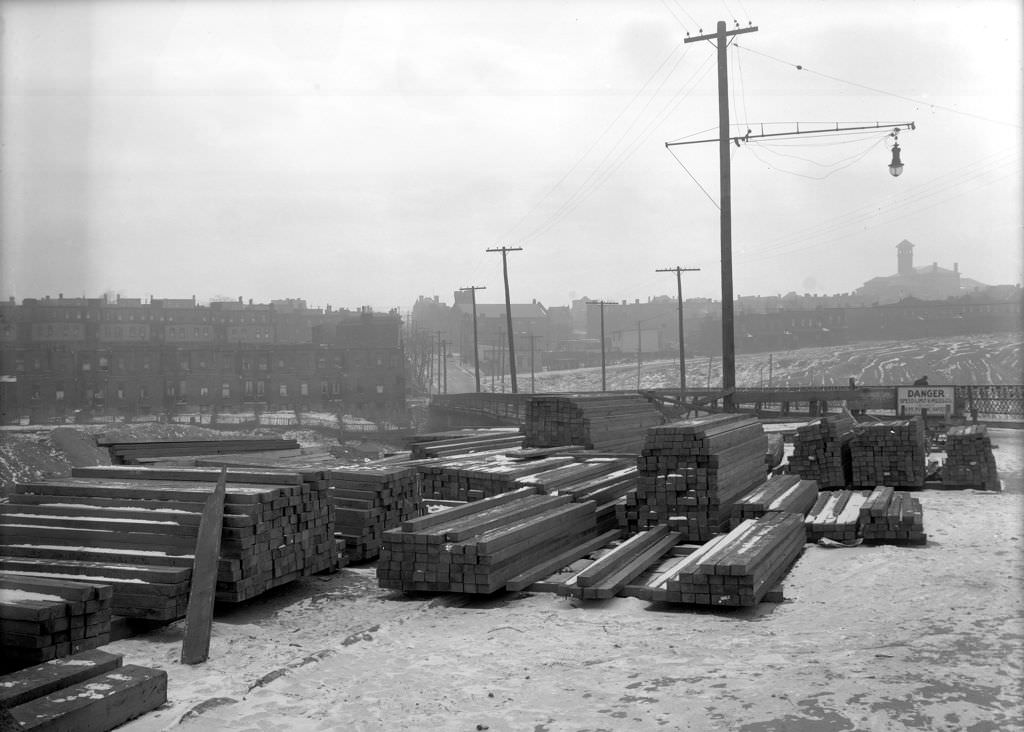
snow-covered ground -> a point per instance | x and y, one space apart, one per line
869 638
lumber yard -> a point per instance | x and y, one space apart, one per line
692 512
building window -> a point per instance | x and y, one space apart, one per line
225 391
35 391
204 391
120 392
248 388
260 388
282 390
380 388
304 389
323 388
59 394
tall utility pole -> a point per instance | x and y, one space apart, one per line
728 335
508 311
682 351
476 344
439 362
533 364
725 203
444 350
602 303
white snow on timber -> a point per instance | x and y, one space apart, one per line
11 595
91 518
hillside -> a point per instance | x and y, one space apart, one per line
991 358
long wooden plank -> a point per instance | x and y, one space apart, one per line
98 704
195 647
31 683
548 567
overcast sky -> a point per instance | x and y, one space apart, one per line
365 153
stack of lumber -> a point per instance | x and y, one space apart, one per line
821 450
481 546
133 452
604 480
479 476
605 422
462 442
46 618
836 516
91 691
611 572
890 453
778 493
370 499
135 529
734 569
969 459
694 471
889 516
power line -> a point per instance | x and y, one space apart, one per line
602 173
852 160
594 144
673 13
800 67
704 190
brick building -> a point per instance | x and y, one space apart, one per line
64 358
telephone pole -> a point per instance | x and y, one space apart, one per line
476 346
720 37
508 311
533 369
682 351
725 203
602 303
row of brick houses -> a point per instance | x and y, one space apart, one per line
66 358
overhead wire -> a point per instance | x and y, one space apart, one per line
694 179
606 169
952 110
852 160
594 144
903 204
677 18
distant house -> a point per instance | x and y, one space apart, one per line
929 282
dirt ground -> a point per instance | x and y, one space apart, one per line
868 638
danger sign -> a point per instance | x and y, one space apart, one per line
936 400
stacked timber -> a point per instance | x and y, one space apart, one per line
889 516
462 442
734 569
779 493
473 477
368 500
481 546
892 453
46 618
135 529
91 691
836 516
605 422
609 574
604 480
969 459
134 452
821 450
693 471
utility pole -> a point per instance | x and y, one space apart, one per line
533 369
725 203
444 350
508 311
476 345
439 362
639 350
602 303
682 351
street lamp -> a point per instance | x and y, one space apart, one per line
896 166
